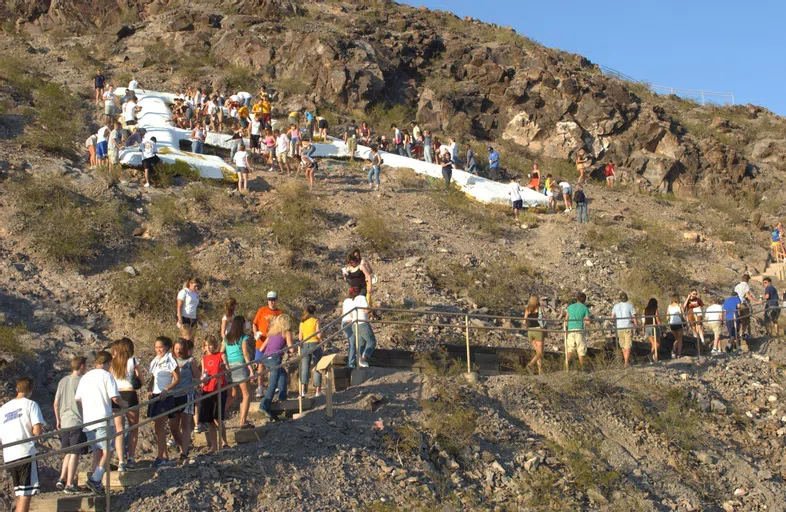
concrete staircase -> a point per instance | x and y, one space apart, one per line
775 271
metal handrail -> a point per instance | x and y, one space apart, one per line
668 90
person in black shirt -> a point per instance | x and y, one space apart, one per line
447 167
98 83
772 309
580 199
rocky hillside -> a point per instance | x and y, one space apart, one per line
468 79
86 259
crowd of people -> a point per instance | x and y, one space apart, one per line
241 353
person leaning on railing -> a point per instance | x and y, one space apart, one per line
22 419
576 318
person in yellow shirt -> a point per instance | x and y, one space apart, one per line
242 115
311 350
257 109
294 119
265 106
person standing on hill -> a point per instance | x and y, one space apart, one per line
453 150
282 151
447 168
279 337
307 160
676 321
90 144
184 393
364 132
611 176
22 419
567 193
115 146
624 315
375 167
580 198
187 306
242 168
68 415
428 152
237 347
99 80
198 138
581 165
125 371
772 309
97 390
102 145
398 140
294 144
493 164
212 365
417 133
309 334
576 318
715 321
533 316
164 377
652 326
692 307
514 192
472 165
260 326
366 341
322 124
149 158
731 314
351 139
743 290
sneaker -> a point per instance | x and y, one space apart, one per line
317 394
122 467
200 428
159 463
60 485
302 394
96 487
363 363
72 489
271 169
259 393
171 443
147 185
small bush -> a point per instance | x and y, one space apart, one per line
486 220
377 233
17 73
162 272
9 336
165 212
492 286
59 120
63 224
583 459
293 224
239 78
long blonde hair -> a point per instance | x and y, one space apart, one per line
281 324
123 350
533 304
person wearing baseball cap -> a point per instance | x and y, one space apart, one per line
260 326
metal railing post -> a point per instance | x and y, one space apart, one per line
108 465
357 345
302 387
466 336
329 391
220 440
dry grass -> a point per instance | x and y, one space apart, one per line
9 334
377 232
294 224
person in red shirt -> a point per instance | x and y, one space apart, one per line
213 363
260 327
611 176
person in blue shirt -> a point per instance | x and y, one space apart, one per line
772 309
493 163
731 316
777 242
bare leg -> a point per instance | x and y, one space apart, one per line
119 441
160 428
245 405
133 435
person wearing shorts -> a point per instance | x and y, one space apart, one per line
624 315
22 419
242 167
576 317
693 311
69 416
165 375
534 321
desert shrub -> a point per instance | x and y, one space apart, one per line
162 271
381 116
377 232
59 120
440 364
83 58
165 212
294 85
17 73
239 78
583 459
9 335
61 223
449 419
495 286
293 222
484 219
